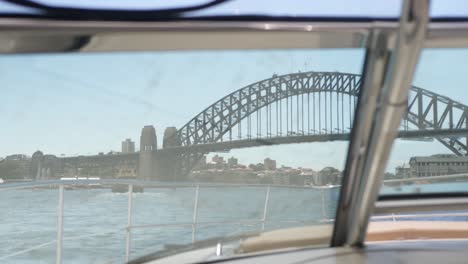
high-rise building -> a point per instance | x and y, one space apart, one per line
128 146
269 164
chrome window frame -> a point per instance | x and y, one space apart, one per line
45 36
383 100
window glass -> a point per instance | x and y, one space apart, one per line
433 138
213 143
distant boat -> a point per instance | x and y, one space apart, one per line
123 188
82 185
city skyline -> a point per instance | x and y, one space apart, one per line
224 157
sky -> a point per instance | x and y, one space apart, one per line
82 104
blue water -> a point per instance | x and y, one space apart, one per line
451 187
95 220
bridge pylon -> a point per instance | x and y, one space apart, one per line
168 165
148 147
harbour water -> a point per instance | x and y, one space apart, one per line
95 219
94 227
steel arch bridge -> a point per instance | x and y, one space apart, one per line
308 105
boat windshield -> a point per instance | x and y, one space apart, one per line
431 156
153 150
149 130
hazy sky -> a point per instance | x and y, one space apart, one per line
87 103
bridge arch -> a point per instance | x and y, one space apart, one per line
218 119
431 111
426 110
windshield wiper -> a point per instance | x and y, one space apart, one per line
112 14
171 249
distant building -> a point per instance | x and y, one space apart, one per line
17 157
402 172
309 176
257 167
128 146
436 165
232 162
217 162
217 159
297 179
328 175
126 169
269 164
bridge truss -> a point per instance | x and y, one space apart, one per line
307 104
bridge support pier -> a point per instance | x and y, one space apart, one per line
148 147
154 165
167 166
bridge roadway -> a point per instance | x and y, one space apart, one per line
292 139
258 142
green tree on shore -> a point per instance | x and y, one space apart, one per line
10 169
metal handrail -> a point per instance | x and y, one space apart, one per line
429 178
55 241
194 224
129 223
209 223
152 184
395 217
59 226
